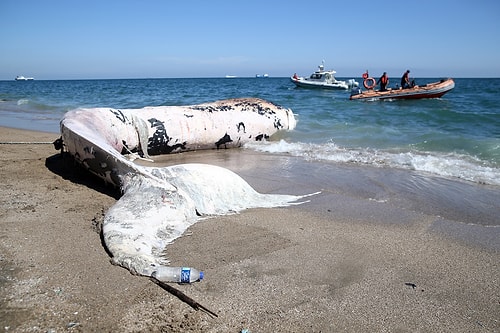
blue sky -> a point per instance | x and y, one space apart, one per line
62 39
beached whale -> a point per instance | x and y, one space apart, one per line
167 129
159 203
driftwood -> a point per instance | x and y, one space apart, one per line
183 297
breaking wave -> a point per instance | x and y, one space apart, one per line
451 165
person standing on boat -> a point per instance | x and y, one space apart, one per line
365 75
405 80
384 81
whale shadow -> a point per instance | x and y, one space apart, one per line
65 166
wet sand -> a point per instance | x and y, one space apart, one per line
367 254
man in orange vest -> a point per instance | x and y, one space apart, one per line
384 81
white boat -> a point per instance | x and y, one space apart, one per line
22 78
324 80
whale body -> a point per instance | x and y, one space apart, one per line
167 129
159 203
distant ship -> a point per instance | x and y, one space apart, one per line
261 75
231 76
22 78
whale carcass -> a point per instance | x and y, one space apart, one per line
159 203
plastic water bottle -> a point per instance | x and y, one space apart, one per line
177 274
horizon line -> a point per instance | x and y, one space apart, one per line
229 78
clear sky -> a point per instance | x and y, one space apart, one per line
62 39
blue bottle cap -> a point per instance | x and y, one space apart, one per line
201 275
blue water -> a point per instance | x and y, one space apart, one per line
456 136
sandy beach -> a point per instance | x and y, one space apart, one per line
354 259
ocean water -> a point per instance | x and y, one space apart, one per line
456 136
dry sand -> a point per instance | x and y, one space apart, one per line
336 264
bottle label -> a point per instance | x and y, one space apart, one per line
185 275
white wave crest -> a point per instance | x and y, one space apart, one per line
451 165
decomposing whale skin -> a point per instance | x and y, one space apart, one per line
168 129
159 203
151 213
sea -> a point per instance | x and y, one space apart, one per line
435 156
456 136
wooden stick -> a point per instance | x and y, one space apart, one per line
183 297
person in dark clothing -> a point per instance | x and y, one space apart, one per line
383 81
405 80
